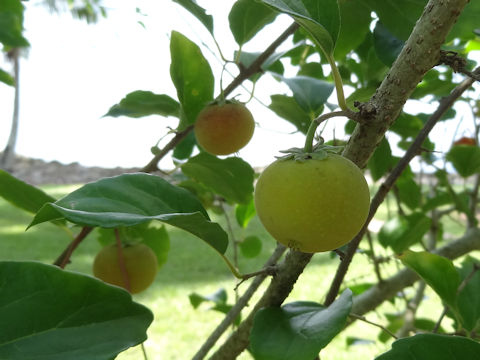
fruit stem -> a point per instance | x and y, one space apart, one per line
337 78
308 148
121 262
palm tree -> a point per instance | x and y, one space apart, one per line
88 10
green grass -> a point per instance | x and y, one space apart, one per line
179 330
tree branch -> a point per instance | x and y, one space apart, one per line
376 295
239 305
420 54
382 192
245 73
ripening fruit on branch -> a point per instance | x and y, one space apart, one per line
312 205
465 141
140 264
222 129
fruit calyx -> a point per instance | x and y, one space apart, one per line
319 151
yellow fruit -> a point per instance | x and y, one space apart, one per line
314 205
224 129
140 263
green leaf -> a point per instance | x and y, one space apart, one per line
381 160
466 22
310 93
231 178
21 194
218 297
287 108
407 125
440 198
132 199
387 46
184 149
320 18
409 191
192 76
11 24
400 233
247 18
53 314
251 246
271 64
198 12
437 271
468 300
433 84
360 95
465 159
244 213
399 17
432 347
144 103
299 330
6 78
355 21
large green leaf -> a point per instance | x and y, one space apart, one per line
407 125
433 347
244 213
381 160
272 63
465 159
11 24
51 314
287 108
143 103
311 93
400 233
6 78
198 12
399 17
247 18
387 46
468 300
409 191
320 18
21 194
466 23
192 76
355 21
132 199
434 83
299 330
437 271
231 177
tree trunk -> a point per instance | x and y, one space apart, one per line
6 161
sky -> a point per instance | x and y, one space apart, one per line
74 72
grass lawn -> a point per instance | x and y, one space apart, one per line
179 330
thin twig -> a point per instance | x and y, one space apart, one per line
121 262
445 104
245 73
65 256
239 305
362 318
